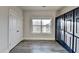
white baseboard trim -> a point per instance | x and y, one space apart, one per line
4 51
39 38
8 49
15 44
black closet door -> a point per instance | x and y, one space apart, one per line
69 29
76 30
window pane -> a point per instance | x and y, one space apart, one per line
46 29
46 22
36 22
36 29
46 25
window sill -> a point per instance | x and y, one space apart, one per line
41 33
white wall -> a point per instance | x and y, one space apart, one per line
65 9
4 27
27 25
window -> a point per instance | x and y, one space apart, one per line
41 25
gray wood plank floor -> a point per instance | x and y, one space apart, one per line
38 46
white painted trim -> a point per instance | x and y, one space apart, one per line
39 38
15 44
4 51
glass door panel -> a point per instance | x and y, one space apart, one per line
69 40
75 41
76 44
65 37
58 29
76 22
77 50
62 35
69 22
76 29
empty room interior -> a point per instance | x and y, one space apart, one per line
39 29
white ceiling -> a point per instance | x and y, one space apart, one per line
55 8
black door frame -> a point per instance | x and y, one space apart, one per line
60 41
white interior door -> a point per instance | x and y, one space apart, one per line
15 27
12 28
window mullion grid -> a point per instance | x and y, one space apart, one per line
41 25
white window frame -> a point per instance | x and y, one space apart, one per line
42 25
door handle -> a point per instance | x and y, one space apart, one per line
17 30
